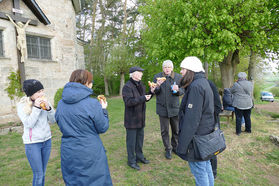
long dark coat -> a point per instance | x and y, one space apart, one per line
196 116
81 119
134 99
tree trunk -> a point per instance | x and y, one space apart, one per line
106 85
122 81
213 72
252 68
102 55
252 65
228 68
90 60
122 74
94 5
206 69
124 21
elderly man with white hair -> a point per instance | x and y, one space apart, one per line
167 105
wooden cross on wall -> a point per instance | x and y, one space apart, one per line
17 17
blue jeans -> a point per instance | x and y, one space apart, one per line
38 155
202 172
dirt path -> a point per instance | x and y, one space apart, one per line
271 107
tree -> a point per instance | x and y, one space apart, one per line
213 30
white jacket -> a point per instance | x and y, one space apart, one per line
36 124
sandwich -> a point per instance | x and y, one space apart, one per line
43 105
161 79
102 97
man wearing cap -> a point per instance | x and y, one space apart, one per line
167 105
242 102
134 98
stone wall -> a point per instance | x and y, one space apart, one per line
67 53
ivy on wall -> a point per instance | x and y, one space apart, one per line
14 88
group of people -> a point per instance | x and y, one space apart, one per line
82 118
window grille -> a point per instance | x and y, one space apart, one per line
38 47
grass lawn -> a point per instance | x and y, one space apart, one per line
250 159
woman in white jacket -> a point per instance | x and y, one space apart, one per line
35 112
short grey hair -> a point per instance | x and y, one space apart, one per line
242 75
167 63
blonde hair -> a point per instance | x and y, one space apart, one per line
26 101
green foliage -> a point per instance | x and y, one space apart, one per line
120 60
57 97
257 90
208 29
98 86
275 91
14 88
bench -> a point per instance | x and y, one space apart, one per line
227 114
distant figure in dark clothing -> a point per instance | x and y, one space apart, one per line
217 111
227 102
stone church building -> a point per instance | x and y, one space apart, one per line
52 48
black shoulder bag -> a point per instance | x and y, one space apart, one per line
211 144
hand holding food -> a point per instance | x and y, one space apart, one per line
152 84
102 97
103 101
43 103
160 80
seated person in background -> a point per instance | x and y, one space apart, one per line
227 102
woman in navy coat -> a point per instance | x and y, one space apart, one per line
81 119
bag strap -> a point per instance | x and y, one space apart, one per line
243 89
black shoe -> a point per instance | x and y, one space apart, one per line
247 131
144 161
215 176
134 166
168 154
237 134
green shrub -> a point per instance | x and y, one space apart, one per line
275 91
57 97
98 85
14 88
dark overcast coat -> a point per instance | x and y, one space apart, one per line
133 94
196 116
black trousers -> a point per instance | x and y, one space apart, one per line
247 117
134 144
164 124
213 162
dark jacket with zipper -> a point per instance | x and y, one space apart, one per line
133 94
196 116
167 102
